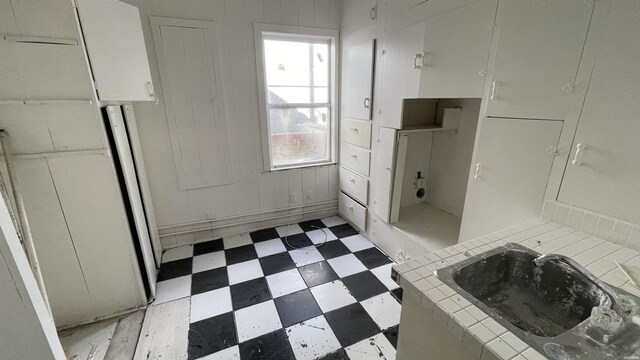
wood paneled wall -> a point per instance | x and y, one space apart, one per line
253 192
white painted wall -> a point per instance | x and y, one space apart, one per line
418 159
28 331
254 194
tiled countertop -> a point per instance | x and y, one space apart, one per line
470 324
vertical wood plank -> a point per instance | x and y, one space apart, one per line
266 188
295 186
306 13
165 331
280 189
335 11
289 12
322 13
333 182
272 12
309 185
322 183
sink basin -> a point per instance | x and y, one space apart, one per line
548 307
545 301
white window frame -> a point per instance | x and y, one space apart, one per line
284 32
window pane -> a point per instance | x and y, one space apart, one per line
299 135
287 63
289 95
321 95
321 64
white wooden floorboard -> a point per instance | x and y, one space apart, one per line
164 331
89 341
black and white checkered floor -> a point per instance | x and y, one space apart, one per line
255 297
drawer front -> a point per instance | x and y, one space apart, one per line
356 132
355 159
355 185
352 211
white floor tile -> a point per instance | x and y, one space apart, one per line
236 241
289 230
244 271
210 303
357 243
383 273
257 320
285 282
346 265
173 289
312 339
318 236
305 256
232 353
209 261
374 348
181 252
269 247
383 309
333 221
331 296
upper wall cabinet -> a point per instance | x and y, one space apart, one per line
604 167
444 57
456 51
539 48
115 44
357 80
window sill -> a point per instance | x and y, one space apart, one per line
303 166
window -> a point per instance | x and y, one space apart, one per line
297 77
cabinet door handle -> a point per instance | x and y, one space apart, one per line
416 64
354 156
350 207
388 169
577 160
151 92
494 90
367 103
351 179
355 130
478 172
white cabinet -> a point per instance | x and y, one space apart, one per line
357 80
352 211
604 174
115 44
509 174
385 175
539 48
456 51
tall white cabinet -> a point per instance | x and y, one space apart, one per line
603 171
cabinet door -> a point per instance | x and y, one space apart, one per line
456 46
539 48
384 173
400 80
604 176
357 80
510 173
115 44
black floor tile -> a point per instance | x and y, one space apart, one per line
240 254
274 264
208 247
174 269
397 293
297 241
317 273
364 285
333 249
250 293
297 307
264 235
343 231
338 355
372 258
392 335
351 324
211 335
209 280
312 225
271 346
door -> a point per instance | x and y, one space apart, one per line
603 174
385 173
539 48
357 80
456 48
134 200
113 35
400 71
509 175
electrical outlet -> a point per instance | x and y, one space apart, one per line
293 198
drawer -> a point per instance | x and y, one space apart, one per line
354 185
356 132
354 158
352 211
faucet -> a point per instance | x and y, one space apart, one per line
612 301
